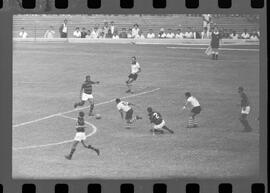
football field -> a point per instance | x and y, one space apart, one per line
46 82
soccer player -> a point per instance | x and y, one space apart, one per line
126 111
215 41
80 137
86 94
159 123
245 110
134 71
195 107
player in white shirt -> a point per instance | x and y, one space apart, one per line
195 108
126 111
134 71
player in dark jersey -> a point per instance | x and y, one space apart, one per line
80 137
245 110
159 123
215 41
86 94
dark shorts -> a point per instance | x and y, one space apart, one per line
196 110
129 114
133 76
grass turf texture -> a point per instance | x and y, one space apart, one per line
47 80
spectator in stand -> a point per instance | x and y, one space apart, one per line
88 35
23 33
225 34
161 33
179 34
112 27
245 34
109 34
77 33
141 36
234 35
94 33
189 34
170 34
195 34
123 33
150 34
115 35
129 34
83 33
204 34
49 33
105 29
254 36
135 31
63 30
207 20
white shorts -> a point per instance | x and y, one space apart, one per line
85 96
80 136
246 110
162 124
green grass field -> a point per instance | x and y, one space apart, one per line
47 79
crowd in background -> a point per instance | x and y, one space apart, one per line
109 30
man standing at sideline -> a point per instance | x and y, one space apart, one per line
63 29
245 110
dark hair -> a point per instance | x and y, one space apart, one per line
149 109
117 100
81 114
240 88
187 94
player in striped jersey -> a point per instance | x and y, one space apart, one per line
86 94
80 137
195 107
159 123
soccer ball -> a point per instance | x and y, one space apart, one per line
98 116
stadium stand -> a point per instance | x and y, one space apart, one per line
36 26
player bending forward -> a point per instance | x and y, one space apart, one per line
159 123
125 109
195 107
80 137
134 71
86 94
245 110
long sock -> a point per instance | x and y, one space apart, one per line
213 56
216 56
91 108
195 122
72 152
190 122
166 128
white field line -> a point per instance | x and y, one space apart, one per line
230 49
74 110
62 142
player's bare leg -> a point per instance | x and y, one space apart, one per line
73 149
90 147
129 85
91 101
166 128
81 103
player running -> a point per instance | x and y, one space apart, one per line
86 94
159 123
134 71
80 137
245 110
126 111
215 41
195 107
